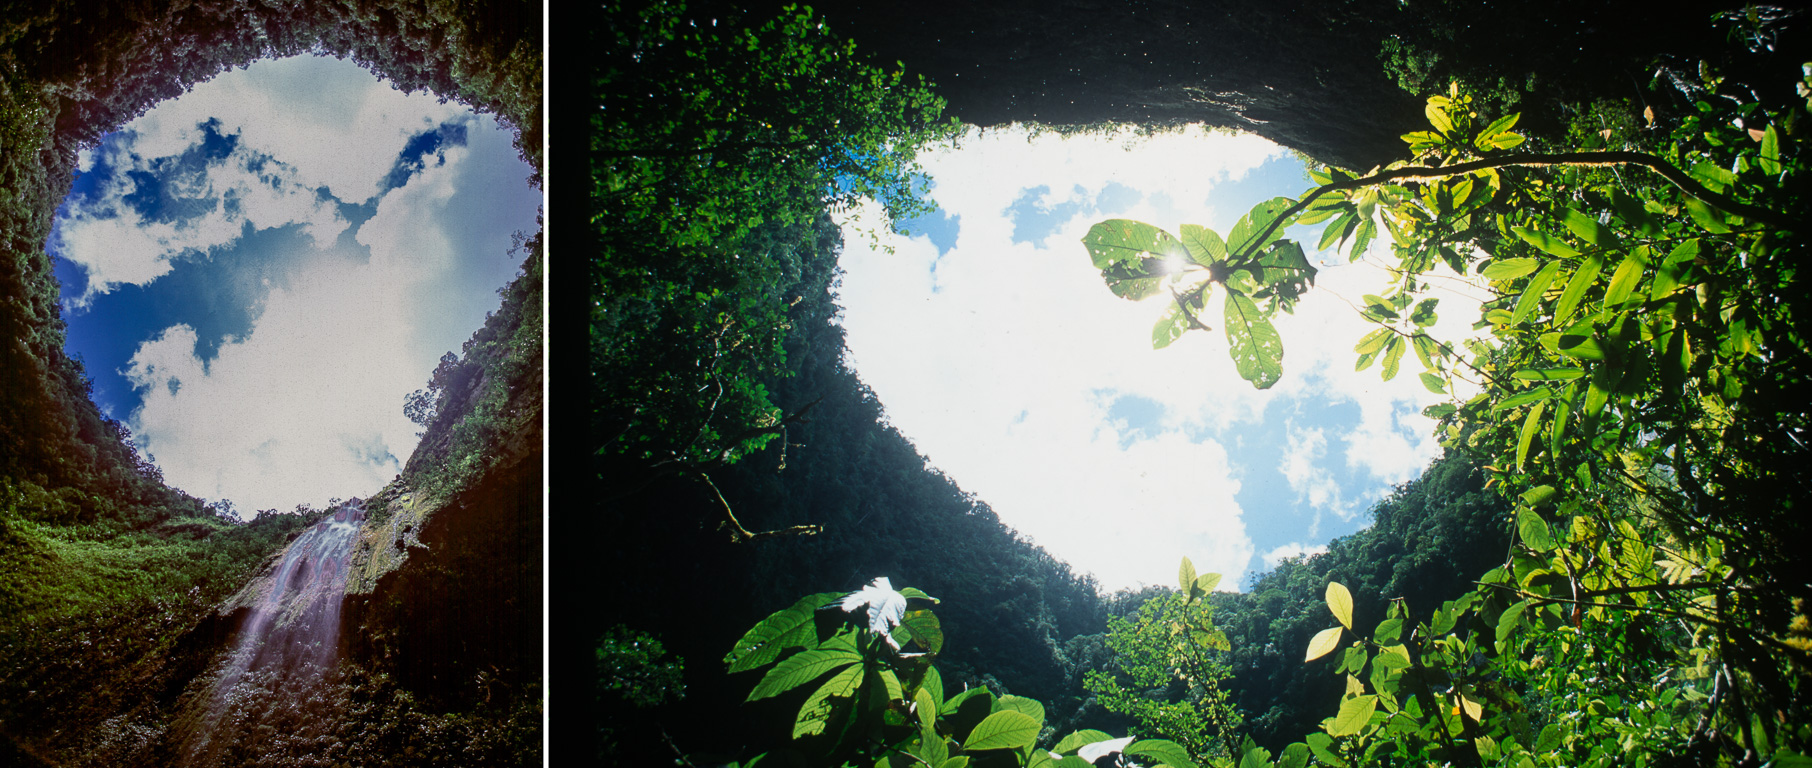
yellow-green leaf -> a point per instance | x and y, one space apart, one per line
1769 161
1509 269
1545 241
1340 601
1589 230
1005 729
1531 297
1576 289
1186 575
1531 427
1623 282
1205 247
1355 714
1323 643
1392 657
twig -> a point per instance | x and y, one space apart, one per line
739 534
1540 160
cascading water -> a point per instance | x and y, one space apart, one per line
287 645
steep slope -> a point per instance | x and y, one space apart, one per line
104 568
655 562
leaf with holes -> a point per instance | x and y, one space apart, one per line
1253 343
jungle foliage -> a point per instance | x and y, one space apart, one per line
714 146
1641 397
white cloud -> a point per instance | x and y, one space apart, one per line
1313 484
1293 549
1000 359
307 404
330 125
329 118
116 245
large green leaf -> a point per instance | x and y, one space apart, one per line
1393 356
1633 213
1547 374
1535 395
1338 232
1575 292
805 667
1509 269
1769 160
933 683
926 630
1624 282
1589 230
1206 582
1117 241
1240 240
1531 427
788 628
1135 279
1252 341
915 592
1392 657
1285 265
1069 744
1340 601
1355 714
1545 241
1163 750
1205 247
1294 756
1509 619
1029 707
1534 530
1186 575
817 710
1006 729
1321 744
1532 293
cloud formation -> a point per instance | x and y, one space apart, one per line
1002 356
306 404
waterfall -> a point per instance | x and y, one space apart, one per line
287 644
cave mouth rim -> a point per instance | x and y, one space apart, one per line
70 148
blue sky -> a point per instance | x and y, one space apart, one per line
257 272
993 345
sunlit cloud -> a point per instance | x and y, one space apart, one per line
1294 549
306 403
1001 355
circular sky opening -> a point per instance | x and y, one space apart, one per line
256 273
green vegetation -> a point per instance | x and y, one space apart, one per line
103 568
1173 648
714 148
1600 571
1640 400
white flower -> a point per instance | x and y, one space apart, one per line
885 607
1100 749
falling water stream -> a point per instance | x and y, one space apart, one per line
290 641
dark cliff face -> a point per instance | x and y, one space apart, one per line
1310 75
1302 73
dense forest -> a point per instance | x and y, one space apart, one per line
1599 570
120 595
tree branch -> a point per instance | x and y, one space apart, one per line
1540 160
739 534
